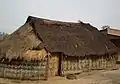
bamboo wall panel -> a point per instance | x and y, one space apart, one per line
25 70
72 65
54 64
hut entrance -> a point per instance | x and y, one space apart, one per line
55 64
59 66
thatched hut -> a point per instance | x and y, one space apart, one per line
42 48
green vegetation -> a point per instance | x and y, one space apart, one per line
3 35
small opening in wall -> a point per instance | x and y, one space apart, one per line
35 48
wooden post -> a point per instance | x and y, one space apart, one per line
83 64
62 65
47 67
21 76
108 62
78 63
87 63
114 61
102 63
90 63
105 62
104 59
111 58
98 62
93 63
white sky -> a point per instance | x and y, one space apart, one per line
13 13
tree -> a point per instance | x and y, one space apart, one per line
3 36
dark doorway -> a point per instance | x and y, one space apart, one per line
60 65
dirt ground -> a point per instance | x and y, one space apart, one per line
94 77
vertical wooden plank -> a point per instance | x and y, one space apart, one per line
90 63
80 63
114 63
110 62
62 64
78 58
107 65
76 64
67 65
87 65
106 62
98 62
84 63
93 60
47 67
102 63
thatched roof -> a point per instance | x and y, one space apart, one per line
73 39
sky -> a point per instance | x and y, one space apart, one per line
13 13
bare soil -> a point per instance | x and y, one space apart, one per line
94 77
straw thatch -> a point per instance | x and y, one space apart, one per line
35 55
73 39
18 43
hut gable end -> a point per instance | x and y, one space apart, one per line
19 42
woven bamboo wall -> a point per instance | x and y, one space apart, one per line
118 59
72 65
26 70
54 64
